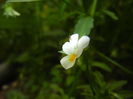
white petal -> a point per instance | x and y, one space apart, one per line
68 48
66 63
83 42
74 40
74 37
79 52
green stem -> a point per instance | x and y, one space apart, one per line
93 8
74 84
90 78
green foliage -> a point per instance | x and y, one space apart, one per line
15 94
30 44
9 11
110 14
115 63
116 84
101 65
21 0
84 26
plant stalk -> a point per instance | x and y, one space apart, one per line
93 8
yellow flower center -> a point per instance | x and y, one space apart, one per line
72 57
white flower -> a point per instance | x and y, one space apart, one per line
73 49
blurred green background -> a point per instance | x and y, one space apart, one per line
32 33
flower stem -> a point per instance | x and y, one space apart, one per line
74 84
93 8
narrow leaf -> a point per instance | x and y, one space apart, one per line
116 84
117 96
127 94
115 63
101 65
111 14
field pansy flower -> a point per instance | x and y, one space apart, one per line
73 49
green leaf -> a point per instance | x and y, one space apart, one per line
15 94
24 57
84 26
70 80
126 94
101 65
57 88
115 63
21 0
116 84
86 90
99 79
117 96
9 11
110 14
61 52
